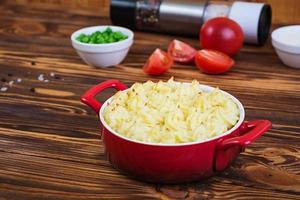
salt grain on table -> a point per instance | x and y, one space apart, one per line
3 89
19 80
10 83
41 77
46 80
52 74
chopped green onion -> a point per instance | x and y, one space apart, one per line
98 37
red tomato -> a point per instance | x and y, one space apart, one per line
158 63
213 62
222 34
181 52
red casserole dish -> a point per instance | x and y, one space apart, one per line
173 163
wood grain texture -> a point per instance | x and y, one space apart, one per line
49 142
284 12
84 7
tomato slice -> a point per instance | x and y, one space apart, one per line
213 62
181 52
158 63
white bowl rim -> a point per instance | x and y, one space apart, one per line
279 44
204 87
77 32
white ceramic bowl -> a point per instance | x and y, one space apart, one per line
103 55
286 41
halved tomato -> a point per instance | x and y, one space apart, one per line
181 52
213 62
158 63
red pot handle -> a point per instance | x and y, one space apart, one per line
89 96
257 128
228 149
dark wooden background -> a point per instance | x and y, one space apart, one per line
49 142
286 11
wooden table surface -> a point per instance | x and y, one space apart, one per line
49 141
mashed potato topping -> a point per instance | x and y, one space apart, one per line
170 112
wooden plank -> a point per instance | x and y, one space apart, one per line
85 7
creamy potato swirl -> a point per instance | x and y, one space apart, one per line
170 112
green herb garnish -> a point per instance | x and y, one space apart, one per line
98 37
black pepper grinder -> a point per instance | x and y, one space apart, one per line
185 17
